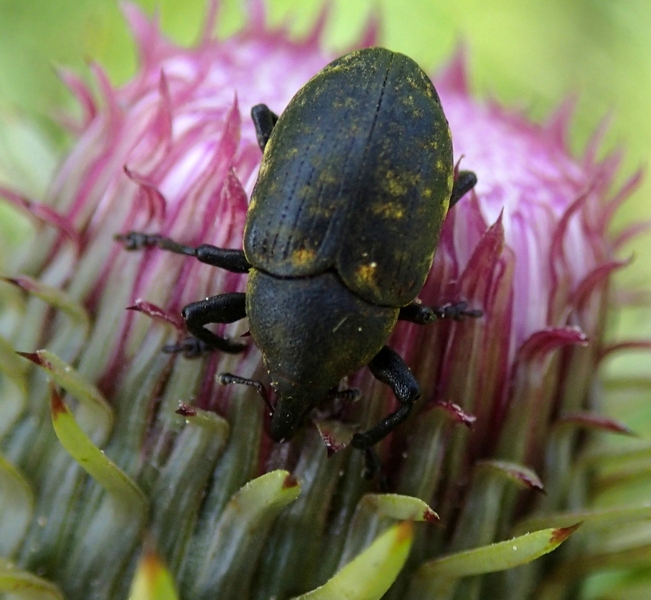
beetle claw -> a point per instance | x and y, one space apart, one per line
347 395
134 240
373 468
190 347
457 311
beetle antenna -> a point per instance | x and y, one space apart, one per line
230 379
347 395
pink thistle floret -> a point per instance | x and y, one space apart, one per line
174 152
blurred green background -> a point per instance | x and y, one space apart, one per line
527 53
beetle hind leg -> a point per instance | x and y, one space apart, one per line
388 367
264 121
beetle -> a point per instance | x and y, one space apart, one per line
356 178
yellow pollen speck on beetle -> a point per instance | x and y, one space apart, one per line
302 256
365 274
329 177
397 184
388 210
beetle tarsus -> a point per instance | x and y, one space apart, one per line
369 438
190 347
230 379
347 395
224 258
423 315
137 240
264 121
464 182
372 464
457 311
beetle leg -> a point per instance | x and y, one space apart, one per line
418 313
225 308
464 182
264 120
225 258
389 368
373 466
230 379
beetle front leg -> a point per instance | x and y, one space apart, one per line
225 308
389 368
225 258
423 315
464 182
264 121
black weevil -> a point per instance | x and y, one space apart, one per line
355 182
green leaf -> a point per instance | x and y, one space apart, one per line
620 588
614 459
178 493
486 501
13 388
24 585
55 297
94 413
71 325
592 519
16 507
521 476
399 507
238 538
121 488
374 513
152 580
439 576
371 573
570 571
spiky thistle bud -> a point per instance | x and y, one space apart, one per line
186 476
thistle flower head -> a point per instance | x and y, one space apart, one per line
187 472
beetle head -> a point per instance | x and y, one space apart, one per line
292 402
